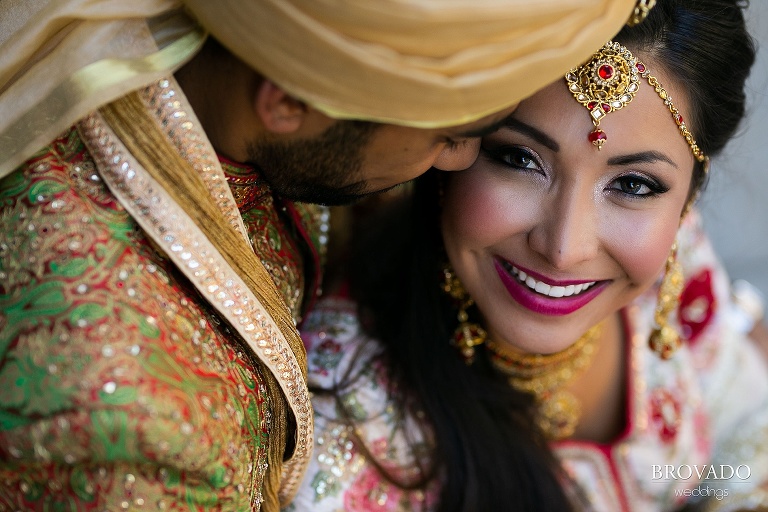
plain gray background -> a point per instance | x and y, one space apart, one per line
735 205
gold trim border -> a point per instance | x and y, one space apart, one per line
184 244
166 102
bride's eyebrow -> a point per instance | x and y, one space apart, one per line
534 133
641 157
486 130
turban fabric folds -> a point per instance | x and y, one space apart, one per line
422 63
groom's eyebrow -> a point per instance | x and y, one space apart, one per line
534 133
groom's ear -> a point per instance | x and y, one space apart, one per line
279 112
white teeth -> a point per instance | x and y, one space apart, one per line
557 291
546 289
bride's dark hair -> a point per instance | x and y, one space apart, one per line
704 46
488 454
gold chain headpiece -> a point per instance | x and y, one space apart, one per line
609 81
545 376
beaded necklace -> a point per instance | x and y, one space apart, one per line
545 376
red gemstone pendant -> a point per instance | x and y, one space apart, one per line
605 71
597 137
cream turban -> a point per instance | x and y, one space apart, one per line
423 63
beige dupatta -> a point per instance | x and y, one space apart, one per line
153 155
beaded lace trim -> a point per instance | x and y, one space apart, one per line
176 234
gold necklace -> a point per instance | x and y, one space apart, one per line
545 375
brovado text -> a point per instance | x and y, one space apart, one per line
700 471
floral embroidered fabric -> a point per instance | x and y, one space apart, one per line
121 386
707 405
273 226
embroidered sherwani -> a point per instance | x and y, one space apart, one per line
708 405
121 387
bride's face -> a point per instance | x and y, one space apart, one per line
589 230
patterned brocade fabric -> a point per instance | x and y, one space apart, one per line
273 227
120 388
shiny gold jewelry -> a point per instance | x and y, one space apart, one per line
678 118
609 81
545 376
640 12
467 335
664 339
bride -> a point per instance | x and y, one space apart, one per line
546 330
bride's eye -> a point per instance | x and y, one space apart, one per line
637 186
514 156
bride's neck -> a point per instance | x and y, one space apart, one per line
602 388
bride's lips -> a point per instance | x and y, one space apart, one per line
549 297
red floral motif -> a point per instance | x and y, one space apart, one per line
665 414
697 305
327 355
371 493
701 424
329 346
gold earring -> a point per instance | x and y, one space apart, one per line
664 338
642 8
467 335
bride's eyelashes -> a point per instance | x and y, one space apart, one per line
637 186
516 157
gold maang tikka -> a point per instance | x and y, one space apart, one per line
609 81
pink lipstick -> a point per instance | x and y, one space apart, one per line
555 298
